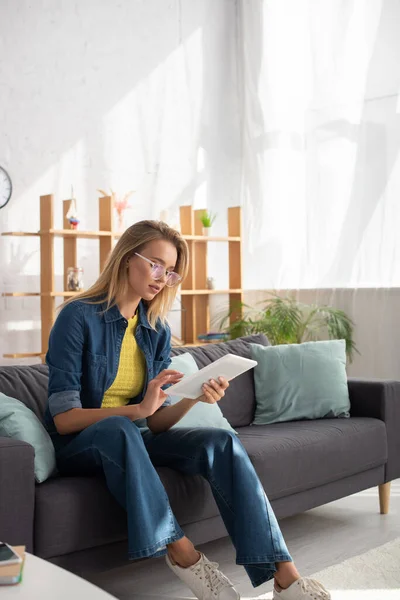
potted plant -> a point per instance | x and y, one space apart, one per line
207 218
287 321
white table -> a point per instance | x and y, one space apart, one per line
41 580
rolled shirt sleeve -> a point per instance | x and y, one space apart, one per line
64 359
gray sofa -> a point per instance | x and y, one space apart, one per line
76 523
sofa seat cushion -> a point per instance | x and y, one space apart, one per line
300 455
76 513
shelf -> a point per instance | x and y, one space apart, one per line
195 314
77 233
70 294
67 233
62 294
24 355
211 238
20 294
206 292
21 233
52 294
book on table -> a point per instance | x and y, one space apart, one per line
12 574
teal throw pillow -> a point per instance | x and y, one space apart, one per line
202 414
300 381
19 422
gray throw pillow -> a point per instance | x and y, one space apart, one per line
19 422
300 381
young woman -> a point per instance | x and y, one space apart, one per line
108 358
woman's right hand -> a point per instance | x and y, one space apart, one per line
155 396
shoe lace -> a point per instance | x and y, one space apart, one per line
212 577
314 589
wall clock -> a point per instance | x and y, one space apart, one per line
5 187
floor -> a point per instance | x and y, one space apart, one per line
316 539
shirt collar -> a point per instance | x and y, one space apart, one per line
113 314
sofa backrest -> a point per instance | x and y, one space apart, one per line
238 404
28 383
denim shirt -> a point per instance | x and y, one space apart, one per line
83 356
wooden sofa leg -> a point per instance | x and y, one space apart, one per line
384 497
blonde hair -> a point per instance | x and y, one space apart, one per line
113 280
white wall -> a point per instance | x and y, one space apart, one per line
118 94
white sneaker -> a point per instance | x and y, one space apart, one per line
205 580
303 589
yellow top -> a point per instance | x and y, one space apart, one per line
130 377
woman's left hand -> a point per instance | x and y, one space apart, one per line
214 390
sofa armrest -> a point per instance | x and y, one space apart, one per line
17 492
380 400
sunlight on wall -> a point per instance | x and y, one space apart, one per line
162 114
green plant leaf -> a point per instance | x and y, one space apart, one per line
207 218
286 321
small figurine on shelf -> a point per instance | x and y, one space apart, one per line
74 279
72 214
207 218
210 283
120 205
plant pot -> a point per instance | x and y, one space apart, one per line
206 230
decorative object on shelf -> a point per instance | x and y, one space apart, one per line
75 279
213 337
72 214
207 218
287 321
5 187
120 205
210 283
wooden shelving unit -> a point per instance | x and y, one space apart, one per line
47 233
194 294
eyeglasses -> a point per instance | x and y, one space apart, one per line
159 271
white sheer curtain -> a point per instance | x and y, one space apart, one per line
321 140
321 172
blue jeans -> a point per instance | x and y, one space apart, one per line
127 456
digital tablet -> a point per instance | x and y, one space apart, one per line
229 366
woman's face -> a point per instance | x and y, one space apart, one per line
140 279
